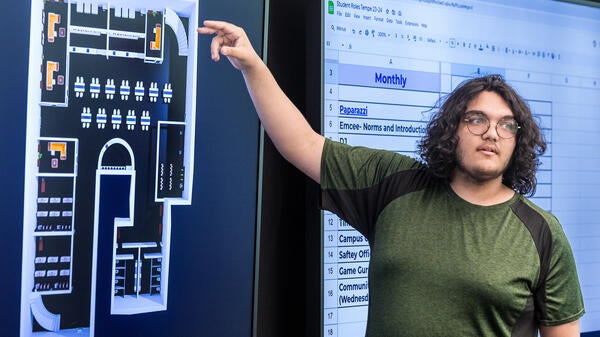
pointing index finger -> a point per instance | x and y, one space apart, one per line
205 30
219 26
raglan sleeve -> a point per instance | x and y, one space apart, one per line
562 297
351 181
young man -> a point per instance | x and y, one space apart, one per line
457 250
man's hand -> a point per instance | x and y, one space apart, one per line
232 42
283 122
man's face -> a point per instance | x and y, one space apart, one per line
484 157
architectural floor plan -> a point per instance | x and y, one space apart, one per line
110 134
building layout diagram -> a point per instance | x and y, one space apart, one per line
110 134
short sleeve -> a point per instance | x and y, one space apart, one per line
352 181
562 299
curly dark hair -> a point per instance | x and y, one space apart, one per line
438 147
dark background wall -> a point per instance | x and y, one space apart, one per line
212 256
288 301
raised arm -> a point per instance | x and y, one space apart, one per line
283 122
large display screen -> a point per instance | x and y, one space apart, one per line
109 152
386 63
115 109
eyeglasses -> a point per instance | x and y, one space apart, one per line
479 124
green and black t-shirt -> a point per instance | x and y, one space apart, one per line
441 266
